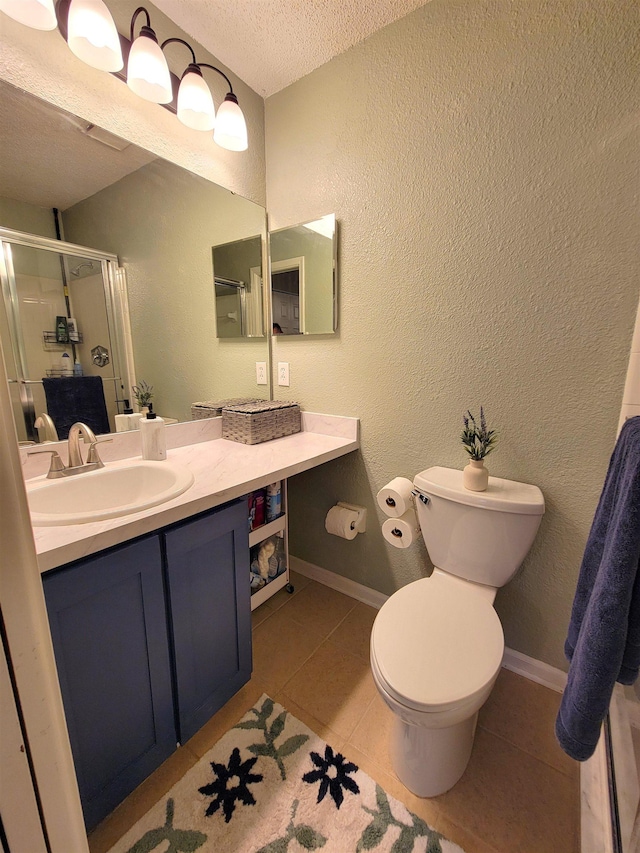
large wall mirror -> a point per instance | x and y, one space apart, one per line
134 223
304 278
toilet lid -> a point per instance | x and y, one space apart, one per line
436 644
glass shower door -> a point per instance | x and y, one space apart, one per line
58 321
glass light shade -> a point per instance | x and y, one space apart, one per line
147 71
92 35
195 104
39 14
231 128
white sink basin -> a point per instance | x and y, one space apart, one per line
117 489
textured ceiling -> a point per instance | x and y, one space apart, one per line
271 43
32 132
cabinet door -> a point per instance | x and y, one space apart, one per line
109 628
208 580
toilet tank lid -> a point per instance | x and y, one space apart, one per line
501 495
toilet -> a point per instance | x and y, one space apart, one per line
437 643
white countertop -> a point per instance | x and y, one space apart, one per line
223 470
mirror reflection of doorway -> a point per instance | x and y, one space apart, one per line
287 293
58 306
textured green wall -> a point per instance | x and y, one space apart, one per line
482 161
163 222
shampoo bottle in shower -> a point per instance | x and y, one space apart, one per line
154 441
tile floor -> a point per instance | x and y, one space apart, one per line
519 794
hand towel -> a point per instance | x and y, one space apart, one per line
603 641
76 398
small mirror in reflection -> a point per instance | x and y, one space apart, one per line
237 272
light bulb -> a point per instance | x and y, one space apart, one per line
92 35
231 128
195 104
39 14
147 70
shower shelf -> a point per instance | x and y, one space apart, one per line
50 338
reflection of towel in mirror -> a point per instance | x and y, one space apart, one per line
603 641
76 398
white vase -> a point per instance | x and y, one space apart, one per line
475 476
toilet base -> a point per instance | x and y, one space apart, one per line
430 761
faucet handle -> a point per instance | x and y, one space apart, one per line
92 455
57 465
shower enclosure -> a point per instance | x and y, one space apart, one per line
65 311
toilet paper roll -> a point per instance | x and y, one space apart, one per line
395 499
401 532
341 522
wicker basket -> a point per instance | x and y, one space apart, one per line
213 409
253 423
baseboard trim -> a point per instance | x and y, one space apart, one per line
521 664
534 670
341 584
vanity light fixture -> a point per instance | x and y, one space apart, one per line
231 129
196 110
89 30
147 70
195 103
92 35
38 14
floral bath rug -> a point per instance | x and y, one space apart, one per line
272 786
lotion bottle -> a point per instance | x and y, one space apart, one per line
154 441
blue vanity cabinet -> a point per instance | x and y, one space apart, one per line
108 622
207 562
151 638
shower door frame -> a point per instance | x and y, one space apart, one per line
116 305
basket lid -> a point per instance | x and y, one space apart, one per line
261 406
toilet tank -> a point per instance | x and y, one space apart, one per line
479 536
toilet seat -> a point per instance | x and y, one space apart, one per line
436 645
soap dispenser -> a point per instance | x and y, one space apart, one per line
154 441
123 421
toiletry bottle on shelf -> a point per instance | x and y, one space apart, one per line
66 365
62 330
123 421
274 501
77 368
154 441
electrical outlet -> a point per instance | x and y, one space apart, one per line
261 373
283 373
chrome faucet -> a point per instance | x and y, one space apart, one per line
76 465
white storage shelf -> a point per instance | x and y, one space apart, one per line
266 530
278 525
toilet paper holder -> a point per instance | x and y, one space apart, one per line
416 494
360 524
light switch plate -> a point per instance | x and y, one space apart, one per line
283 373
261 373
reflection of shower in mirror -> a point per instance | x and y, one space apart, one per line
76 270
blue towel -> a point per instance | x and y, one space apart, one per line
603 641
76 398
